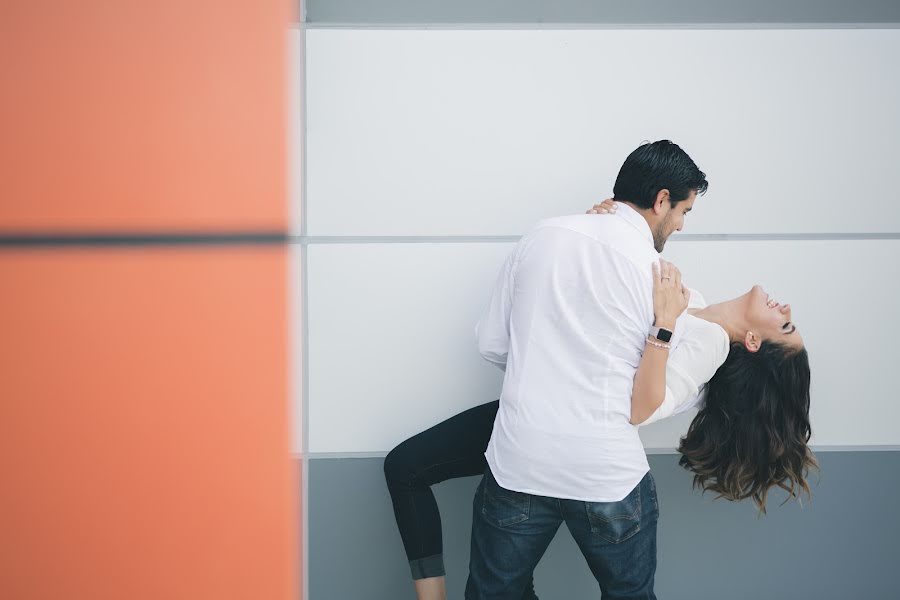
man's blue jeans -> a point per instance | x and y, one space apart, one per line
511 531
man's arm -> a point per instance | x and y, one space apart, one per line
492 330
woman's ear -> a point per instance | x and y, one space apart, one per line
661 204
751 342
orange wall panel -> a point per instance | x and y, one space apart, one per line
145 426
127 115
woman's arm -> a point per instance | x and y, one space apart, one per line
670 299
678 377
700 352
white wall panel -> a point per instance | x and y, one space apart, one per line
391 340
841 294
296 350
485 132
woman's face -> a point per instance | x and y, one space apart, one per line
769 319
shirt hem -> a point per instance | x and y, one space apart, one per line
525 490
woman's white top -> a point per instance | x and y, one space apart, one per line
701 350
567 322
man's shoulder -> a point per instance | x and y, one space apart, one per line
613 247
607 231
599 227
569 221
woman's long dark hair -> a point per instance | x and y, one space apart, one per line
752 434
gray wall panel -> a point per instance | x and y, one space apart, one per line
842 545
600 11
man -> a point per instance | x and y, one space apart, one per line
567 321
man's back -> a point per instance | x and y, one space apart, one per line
575 301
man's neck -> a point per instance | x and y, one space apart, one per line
644 212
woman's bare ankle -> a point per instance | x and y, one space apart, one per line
431 588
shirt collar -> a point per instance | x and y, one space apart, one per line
635 219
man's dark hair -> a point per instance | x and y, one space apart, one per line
654 167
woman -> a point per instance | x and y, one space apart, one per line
749 435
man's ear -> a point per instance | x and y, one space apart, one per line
752 342
661 205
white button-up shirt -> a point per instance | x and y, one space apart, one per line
567 321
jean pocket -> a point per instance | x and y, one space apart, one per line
615 522
501 506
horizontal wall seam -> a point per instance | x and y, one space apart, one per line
823 448
94 239
38 240
474 26
685 237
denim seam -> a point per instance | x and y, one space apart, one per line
525 513
636 513
616 539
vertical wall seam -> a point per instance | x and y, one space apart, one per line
304 316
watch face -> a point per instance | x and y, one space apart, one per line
664 335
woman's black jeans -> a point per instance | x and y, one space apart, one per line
454 448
